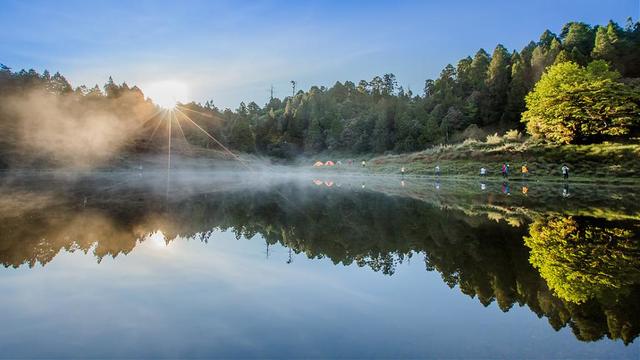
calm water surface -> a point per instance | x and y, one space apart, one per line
236 265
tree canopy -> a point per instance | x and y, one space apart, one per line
572 103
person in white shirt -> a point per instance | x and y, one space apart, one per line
565 172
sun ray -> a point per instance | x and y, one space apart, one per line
197 112
169 158
183 135
157 126
151 117
214 139
169 141
155 129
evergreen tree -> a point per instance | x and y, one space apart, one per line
604 46
478 71
111 90
498 79
578 36
517 91
543 56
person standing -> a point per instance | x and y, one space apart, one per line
437 170
565 172
506 189
483 171
364 164
504 170
402 172
525 170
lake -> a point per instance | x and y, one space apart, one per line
317 265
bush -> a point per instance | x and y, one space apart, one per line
494 139
513 135
470 141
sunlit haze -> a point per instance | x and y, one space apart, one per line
167 93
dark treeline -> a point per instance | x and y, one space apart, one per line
481 94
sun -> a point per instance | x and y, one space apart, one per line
167 93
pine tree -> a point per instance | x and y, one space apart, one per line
498 79
111 90
517 90
577 35
543 56
478 71
608 44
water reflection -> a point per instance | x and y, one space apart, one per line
576 264
584 258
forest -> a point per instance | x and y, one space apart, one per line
581 85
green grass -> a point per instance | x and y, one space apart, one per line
607 162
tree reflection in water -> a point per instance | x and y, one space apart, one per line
582 258
585 271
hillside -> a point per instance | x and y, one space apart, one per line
607 161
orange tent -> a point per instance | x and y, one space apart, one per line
318 163
329 163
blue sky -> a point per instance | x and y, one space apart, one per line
232 51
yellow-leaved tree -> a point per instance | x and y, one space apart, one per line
572 103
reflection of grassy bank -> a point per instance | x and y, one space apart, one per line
611 202
588 163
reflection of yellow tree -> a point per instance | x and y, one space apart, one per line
584 258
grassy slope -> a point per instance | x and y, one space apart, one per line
596 162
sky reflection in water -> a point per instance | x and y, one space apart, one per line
348 287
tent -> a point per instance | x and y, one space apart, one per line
318 163
329 163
